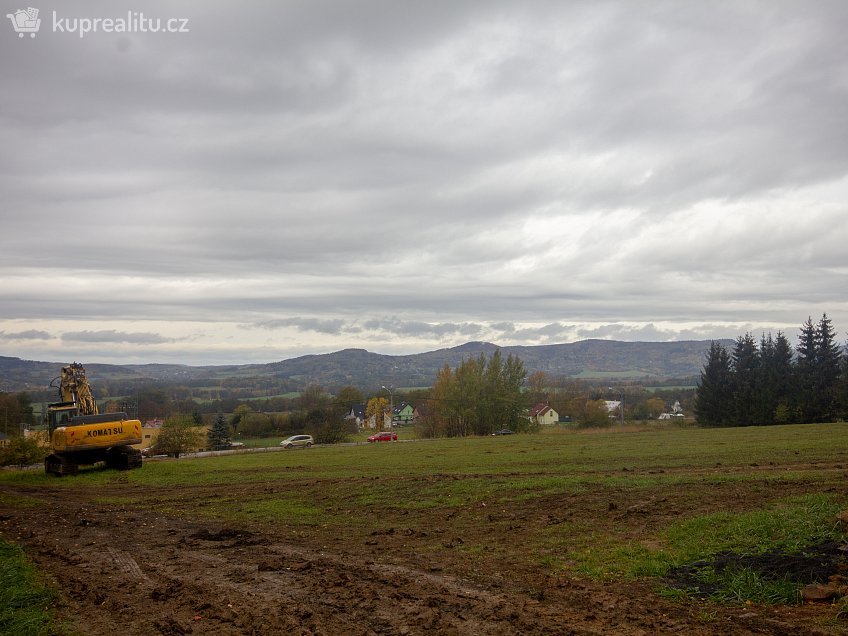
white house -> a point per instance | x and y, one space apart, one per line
543 414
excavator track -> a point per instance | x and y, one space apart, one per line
123 458
60 466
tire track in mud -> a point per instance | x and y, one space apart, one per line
139 573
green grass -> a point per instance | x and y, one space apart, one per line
18 501
279 509
515 480
788 526
25 602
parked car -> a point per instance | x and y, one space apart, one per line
298 441
385 436
503 431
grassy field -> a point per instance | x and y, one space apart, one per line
24 600
607 504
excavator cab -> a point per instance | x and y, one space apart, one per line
60 414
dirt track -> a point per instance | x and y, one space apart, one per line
133 571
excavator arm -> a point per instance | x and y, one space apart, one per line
74 387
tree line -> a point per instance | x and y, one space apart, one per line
479 397
769 382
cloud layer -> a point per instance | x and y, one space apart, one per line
293 178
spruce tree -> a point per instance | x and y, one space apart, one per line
713 403
219 434
805 370
745 363
817 371
766 391
828 360
782 376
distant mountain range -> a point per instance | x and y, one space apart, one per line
598 359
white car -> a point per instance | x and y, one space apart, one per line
298 441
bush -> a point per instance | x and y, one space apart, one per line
22 451
179 434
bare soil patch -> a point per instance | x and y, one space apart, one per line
136 570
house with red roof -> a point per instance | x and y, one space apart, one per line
543 414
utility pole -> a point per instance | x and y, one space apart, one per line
391 405
620 404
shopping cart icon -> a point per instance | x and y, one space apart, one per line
25 21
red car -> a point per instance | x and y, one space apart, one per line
386 436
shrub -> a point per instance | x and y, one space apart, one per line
22 451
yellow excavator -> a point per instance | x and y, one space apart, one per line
80 434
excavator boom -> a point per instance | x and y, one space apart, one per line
74 387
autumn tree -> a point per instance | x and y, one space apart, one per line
481 395
653 407
327 423
378 408
15 409
238 414
537 387
590 413
255 424
22 451
179 434
313 397
347 397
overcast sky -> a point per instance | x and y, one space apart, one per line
301 177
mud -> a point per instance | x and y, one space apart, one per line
147 569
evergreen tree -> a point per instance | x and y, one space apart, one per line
219 434
817 371
774 380
842 388
828 359
766 400
781 376
745 363
804 398
713 399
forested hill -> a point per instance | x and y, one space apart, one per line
585 359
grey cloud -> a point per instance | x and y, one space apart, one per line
332 326
31 334
418 328
114 336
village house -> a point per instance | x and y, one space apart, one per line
544 415
357 415
402 414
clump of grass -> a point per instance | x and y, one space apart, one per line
792 525
740 584
788 527
24 601
281 510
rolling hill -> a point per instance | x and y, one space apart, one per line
602 359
